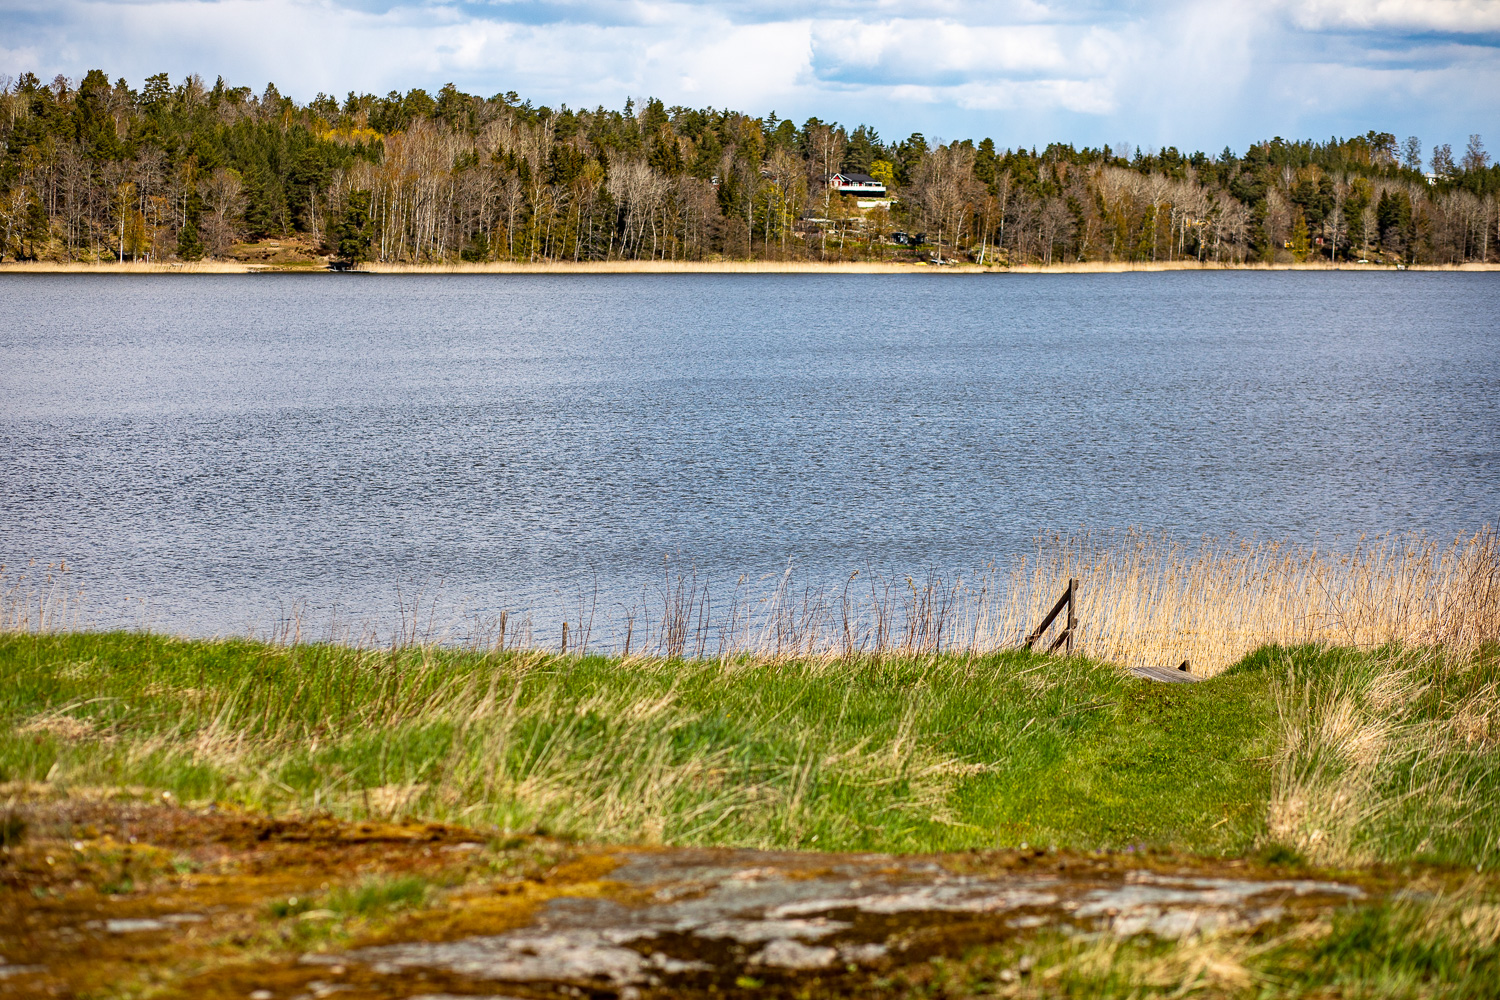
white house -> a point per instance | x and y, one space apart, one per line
859 185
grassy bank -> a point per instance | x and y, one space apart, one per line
1338 756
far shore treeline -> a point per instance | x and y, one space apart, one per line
99 171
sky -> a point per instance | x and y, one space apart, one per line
1200 75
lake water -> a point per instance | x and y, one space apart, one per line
208 451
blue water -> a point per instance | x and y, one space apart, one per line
207 451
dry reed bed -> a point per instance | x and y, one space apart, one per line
1149 601
1144 600
39 599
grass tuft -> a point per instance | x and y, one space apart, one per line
379 896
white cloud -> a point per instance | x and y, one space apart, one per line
916 49
1085 97
734 65
1196 74
1457 16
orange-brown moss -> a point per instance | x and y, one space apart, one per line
209 877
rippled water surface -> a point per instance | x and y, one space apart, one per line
217 448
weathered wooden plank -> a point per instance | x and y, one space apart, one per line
1068 600
1166 675
1056 610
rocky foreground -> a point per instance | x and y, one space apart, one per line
108 896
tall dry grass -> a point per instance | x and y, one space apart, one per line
1394 755
1145 600
39 599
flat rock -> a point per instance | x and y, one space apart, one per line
134 926
795 955
705 918
7 970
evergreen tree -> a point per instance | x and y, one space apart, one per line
189 242
863 149
352 235
984 163
1393 221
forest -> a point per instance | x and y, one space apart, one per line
99 171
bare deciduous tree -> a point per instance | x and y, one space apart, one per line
223 196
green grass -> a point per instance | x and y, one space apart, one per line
372 897
923 754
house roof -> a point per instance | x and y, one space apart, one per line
855 178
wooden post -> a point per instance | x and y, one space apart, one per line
565 637
1072 612
501 642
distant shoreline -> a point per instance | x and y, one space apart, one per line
698 267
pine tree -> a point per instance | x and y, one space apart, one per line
189 239
189 243
353 231
984 163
